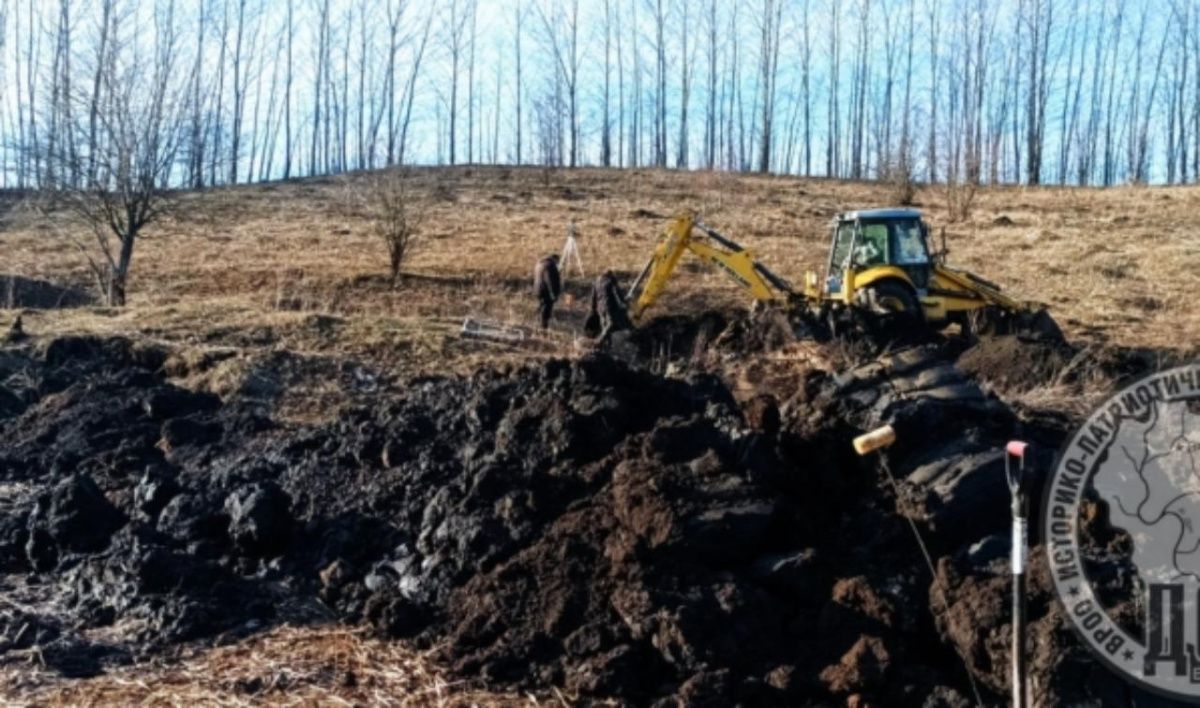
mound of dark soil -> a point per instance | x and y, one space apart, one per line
583 524
680 336
17 291
1013 363
976 585
758 332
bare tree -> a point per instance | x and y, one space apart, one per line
496 110
1140 151
561 29
806 68
517 33
686 60
1195 34
734 133
216 116
833 111
365 35
395 11
270 132
660 84
4 148
139 128
394 218
768 68
635 123
29 122
620 91
343 123
933 14
906 118
1177 113
241 81
710 115
287 92
410 87
107 17
457 15
472 9
198 94
858 91
319 80
605 121
1110 122
1039 21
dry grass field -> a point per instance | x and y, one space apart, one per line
310 666
296 264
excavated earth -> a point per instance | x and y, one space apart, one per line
586 524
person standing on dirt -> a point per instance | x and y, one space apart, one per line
608 306
547 286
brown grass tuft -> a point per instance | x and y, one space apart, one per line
309 666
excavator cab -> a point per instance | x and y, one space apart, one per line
880 262
865 240
880 259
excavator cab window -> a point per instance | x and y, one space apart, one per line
839 255
910 251
908 241
843 239
872 248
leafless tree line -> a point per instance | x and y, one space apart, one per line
1033 91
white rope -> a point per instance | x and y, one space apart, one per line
905 511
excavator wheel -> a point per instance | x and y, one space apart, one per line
888 313
890 298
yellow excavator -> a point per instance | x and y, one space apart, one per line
880 270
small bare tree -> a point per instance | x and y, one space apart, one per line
116 183
960 198
394 218
898 174
960 192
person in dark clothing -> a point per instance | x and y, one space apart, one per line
547 286
16 333
608 304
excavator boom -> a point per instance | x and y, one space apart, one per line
685 234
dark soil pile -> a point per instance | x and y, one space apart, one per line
1016 364
20 292
583 524
681 336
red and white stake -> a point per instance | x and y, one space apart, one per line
1014 469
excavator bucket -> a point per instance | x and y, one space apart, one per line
1040 326
1032 323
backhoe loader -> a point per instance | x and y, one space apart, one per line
880 273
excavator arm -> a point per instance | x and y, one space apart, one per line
686 234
